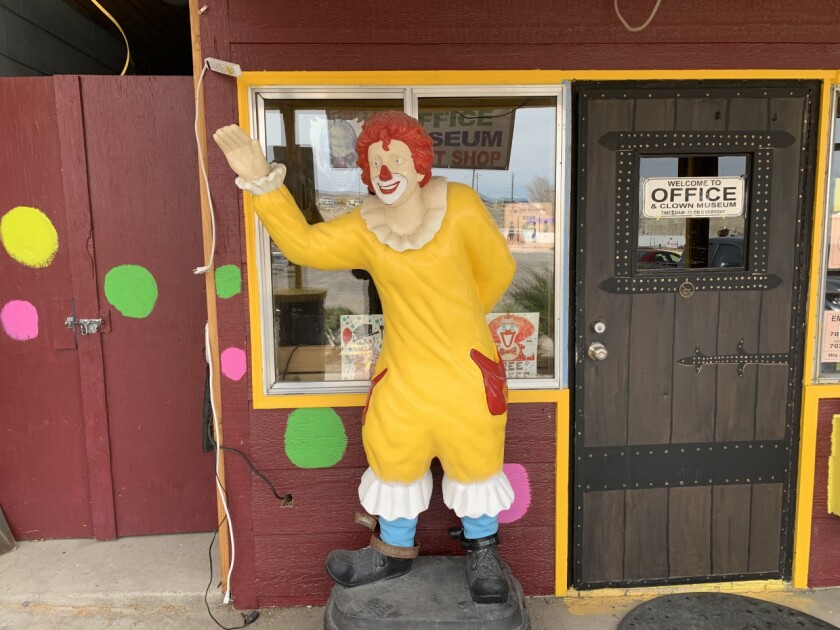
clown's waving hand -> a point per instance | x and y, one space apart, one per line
440 264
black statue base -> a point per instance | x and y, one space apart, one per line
433 595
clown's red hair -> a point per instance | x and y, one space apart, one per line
386 126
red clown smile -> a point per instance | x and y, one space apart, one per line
387 190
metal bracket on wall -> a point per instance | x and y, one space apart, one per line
88 326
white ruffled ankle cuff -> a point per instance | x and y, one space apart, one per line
266 184
392 500
489 497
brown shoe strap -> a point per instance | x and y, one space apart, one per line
393 551
367 520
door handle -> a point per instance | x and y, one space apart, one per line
597 351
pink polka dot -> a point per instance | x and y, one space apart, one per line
233 363
20 320
518 477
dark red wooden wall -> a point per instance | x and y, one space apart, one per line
531 34
101 435
145 209
291 544
44 491
280 551
824 566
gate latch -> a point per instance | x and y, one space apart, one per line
86 326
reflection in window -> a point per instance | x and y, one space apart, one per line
505 149
692 212
327 324
830 342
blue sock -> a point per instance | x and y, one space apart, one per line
399 532
480 527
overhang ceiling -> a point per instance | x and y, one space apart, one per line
158 32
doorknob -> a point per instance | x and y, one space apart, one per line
597 351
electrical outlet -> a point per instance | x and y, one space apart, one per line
223 67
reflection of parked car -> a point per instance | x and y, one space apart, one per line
650 257
724 251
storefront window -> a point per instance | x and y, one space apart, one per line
502 149
829 347
322 330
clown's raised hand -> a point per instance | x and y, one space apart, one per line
245 156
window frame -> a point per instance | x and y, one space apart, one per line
258 95
828 202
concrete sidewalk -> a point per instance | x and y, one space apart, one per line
159 582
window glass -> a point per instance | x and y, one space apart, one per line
692 212
829 354
505 149
326 324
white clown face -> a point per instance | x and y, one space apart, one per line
392 172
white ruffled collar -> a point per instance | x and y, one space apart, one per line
373 211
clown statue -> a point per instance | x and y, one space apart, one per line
440 264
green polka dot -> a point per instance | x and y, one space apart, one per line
315 438
228 281
132 290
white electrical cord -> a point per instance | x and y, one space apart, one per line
636 29
226 599
205 268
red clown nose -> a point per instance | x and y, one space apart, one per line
385 174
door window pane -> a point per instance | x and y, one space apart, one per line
692 212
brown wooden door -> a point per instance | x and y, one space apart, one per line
685 433
102 433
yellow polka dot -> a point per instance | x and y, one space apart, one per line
29 236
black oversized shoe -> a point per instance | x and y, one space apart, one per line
379 561
485 576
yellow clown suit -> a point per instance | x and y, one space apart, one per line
439 386
428 396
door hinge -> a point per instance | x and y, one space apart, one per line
88 326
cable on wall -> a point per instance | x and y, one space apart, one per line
636 29
219 488
122 32
209 265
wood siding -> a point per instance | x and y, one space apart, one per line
49 37
485 36
43 456
104 431
292 543
824 567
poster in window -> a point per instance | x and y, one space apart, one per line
834 241
831 337
515 336
361 344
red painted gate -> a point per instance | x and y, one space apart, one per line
99 219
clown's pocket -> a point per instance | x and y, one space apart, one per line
495 382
